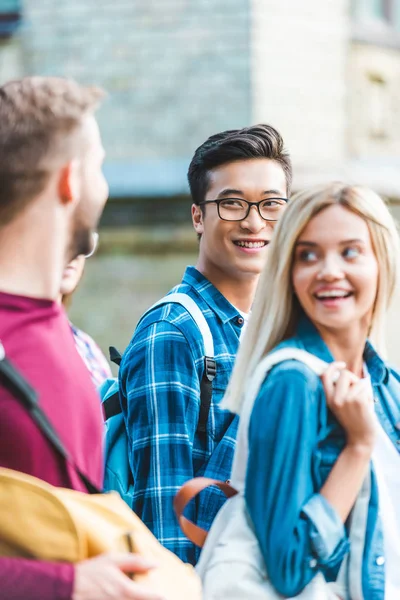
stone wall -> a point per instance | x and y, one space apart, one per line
299 62
176 70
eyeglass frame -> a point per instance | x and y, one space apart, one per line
249 205
95 238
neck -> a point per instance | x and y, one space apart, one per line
348 345
238 291
31 262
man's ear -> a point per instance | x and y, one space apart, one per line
197 219
68 183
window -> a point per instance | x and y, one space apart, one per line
377 21
10 17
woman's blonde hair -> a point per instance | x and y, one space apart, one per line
276 310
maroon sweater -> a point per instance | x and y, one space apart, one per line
37 338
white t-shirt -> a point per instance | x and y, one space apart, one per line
386 460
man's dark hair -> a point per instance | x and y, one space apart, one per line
258 141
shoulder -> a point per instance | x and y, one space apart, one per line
169 334
172 312
295 372
173 319
290 392
292 373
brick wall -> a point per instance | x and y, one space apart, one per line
374 112
179 70
176 70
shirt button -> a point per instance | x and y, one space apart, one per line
380 561
313 563
240 320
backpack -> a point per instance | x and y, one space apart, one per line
231 564
118 474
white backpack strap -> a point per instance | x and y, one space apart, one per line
274 358
210 365
196 314
242 449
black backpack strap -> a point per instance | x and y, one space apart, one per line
210 370
111 406
11 379
115 355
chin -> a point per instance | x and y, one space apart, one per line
252 270
339 324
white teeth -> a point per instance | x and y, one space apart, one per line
332 294
251 244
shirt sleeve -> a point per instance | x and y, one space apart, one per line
299 532
22 579
160 393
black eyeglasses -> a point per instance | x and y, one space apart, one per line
236 209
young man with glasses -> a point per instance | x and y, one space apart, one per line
239 182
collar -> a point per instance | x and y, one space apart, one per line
211 296
313 343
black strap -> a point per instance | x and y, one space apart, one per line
210 370
112 406
115 355
24 392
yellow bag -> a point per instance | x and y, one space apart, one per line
49 523
44 522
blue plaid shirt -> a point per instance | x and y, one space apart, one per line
160 378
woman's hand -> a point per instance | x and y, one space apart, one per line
350 400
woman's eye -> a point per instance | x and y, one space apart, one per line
307 255
351 252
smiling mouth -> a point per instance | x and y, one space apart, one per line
248 244
331 295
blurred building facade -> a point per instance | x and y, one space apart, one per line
326 74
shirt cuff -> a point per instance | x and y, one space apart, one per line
328 534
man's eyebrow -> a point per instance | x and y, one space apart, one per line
233 192
276 193
230 192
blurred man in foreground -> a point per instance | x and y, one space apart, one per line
52 193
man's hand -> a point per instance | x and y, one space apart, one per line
104 578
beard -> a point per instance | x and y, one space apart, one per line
81 240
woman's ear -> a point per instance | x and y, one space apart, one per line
197 219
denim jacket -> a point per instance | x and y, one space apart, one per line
294 441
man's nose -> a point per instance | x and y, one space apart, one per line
253 222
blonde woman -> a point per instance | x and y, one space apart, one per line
316 446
